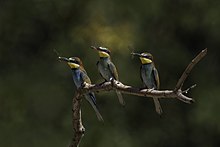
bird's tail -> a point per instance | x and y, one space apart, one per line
157 106
99 116
120 98
91 99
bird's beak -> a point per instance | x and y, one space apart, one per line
136 54
95 48
63 59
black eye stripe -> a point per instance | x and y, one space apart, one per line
146 56
74 61
103 50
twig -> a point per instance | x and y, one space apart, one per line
177 93
191 87
189 68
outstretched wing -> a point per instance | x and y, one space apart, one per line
156 78
113 70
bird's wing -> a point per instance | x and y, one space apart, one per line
156 100
113 70
156 78
98 65
114 73
85 77
141 68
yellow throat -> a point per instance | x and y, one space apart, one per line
103 54
145 60
73 65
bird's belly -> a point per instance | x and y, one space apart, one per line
78 83
149 84
147 80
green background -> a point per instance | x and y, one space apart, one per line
36 90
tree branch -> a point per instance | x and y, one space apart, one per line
149 93
177 93
78 128
189 68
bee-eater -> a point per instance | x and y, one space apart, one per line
149 76
79 77
107 69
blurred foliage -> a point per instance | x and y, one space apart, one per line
36 90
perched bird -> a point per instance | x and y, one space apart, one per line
107 69
79 77
149 76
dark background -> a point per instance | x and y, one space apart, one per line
36 90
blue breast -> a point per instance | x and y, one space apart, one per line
76 73
147 75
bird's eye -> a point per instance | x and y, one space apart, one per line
103 50
77 62
107 51
71 60
150 57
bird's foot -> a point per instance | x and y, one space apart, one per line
83 84
151 89
100 84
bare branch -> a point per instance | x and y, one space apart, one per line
177 93
189 68
149 93
188 89
78 128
